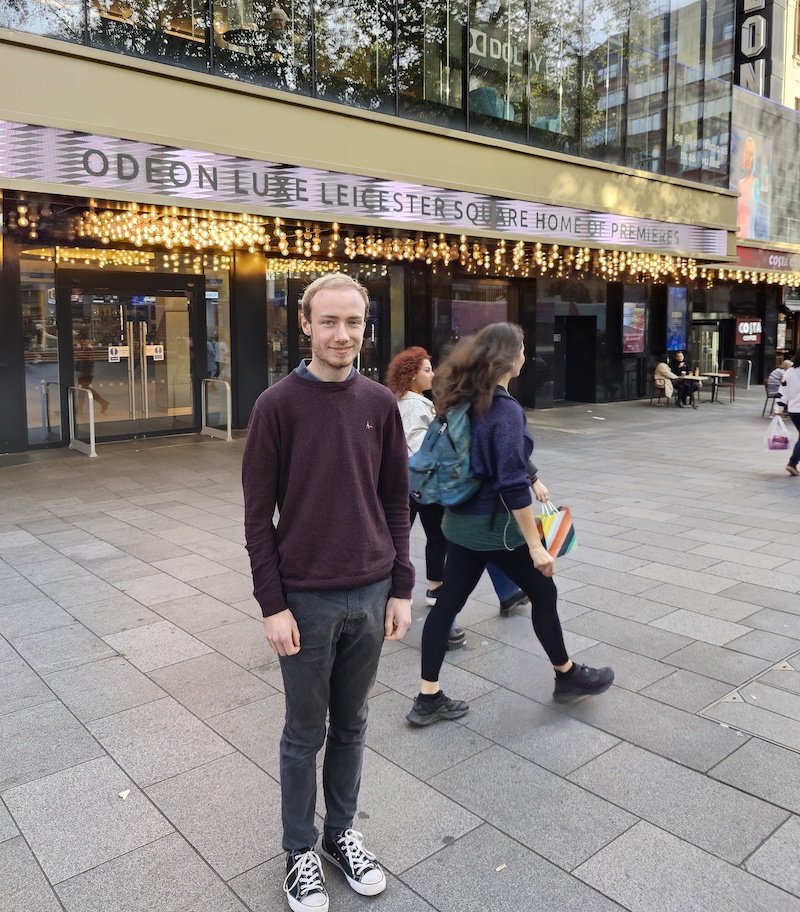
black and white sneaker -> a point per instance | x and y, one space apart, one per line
346 850
305 883
581 681
431 596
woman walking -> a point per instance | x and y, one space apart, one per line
410 374
497 524
790 399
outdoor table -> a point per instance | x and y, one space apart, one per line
715 378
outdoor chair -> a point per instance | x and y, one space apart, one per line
657 393
769 396
728 383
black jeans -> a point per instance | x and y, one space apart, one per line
794 459
463 569
430 515
341 636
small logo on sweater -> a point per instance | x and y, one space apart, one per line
369 426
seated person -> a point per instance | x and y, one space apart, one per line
684 388
663 377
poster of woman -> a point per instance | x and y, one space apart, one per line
751 158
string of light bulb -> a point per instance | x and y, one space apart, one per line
201 231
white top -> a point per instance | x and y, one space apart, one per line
417 412
790 390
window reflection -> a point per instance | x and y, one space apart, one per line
555 74
170 30
264 41
62 19
498 37
604 80
431 55
354 47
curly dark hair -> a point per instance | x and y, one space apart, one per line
473 368
403 368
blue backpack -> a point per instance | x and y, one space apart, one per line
440 471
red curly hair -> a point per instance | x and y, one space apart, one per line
403 368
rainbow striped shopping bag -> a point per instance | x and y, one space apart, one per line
556 529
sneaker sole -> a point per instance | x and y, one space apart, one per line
452 645
363 889
581 695
445 716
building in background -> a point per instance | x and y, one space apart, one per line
173 172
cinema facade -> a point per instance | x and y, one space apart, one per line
162 214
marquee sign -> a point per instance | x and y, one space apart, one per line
104 164
753 45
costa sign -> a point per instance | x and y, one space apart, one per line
748 331
753 37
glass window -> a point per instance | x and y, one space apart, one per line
264 41
170 31
604 80
647 85
432 62
555 74
355 53
62 19
498 40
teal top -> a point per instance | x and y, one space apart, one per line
478 533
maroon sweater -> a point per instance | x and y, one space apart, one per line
332 458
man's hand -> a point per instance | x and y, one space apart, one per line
540 491
543 560
282 634
398 618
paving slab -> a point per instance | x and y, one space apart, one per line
255 730
720 606
643 639
632 671
650 870
717 662
113 615
487 870
538 733
20 686
62 647
778 860
8 829
211 684
158 740
715 817
686 690
641 608
551 830
201 612
77 819
701 627
40 740
156 645
23 886
242 642
164 876
103 688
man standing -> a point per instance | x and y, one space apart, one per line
333 578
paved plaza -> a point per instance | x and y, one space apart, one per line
141 709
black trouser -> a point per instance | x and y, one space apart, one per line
684 389
430 515
463 569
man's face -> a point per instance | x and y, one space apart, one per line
336 330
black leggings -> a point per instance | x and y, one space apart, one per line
463 569
430 515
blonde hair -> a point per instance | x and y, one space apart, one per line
332 281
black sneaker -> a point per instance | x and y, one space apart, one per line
305 882
346 850
456 639
582 681
427 712
515 600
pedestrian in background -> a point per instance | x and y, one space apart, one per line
497 524
325 446
790 400
409 376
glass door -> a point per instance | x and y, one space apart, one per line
133 350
